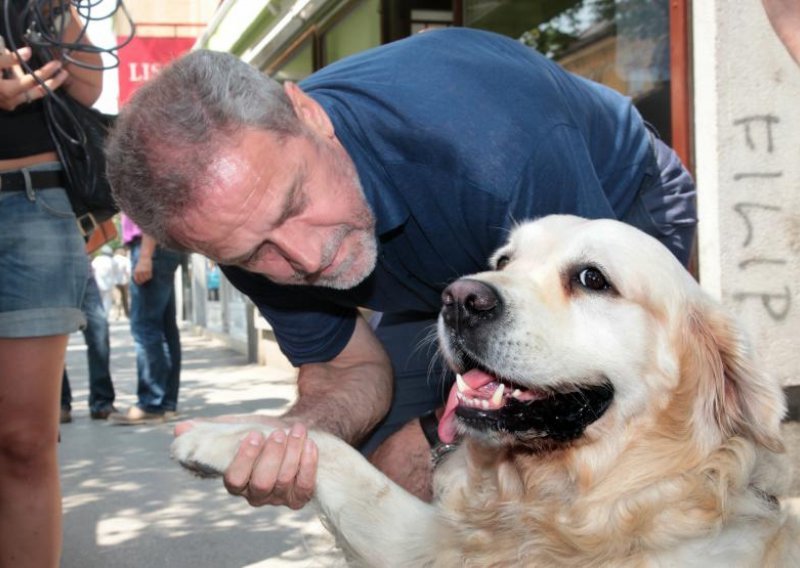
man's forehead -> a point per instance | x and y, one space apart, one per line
222 214
209 220
251 159
227 165
186 231
227 171
250 176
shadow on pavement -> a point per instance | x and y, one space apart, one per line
126 504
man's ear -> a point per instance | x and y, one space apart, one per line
309 111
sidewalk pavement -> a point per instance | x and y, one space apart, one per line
128 505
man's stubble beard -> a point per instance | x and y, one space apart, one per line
356 267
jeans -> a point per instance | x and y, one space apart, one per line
101 389
155 333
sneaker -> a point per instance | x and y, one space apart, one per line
170 415
135 415
66 416
104 413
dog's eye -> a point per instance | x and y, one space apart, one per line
592 279
502 261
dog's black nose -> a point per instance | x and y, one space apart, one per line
467 303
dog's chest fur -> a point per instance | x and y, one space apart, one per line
496 515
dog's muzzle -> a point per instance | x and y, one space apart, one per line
485 402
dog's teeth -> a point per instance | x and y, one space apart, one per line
516 393
485 404
497 397
461 385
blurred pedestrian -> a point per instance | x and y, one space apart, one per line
98 355
154 328
43 272
122 279
103 268
212 280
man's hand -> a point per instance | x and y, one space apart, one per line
143 271
280 469
345 397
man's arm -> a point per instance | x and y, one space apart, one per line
143 271
346 396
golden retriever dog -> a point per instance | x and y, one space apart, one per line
609 413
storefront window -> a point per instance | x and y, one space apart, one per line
357 31
621 43
299 65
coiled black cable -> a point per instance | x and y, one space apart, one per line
45 29
42 25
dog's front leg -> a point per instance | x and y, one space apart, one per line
375 521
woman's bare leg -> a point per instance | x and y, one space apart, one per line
30 493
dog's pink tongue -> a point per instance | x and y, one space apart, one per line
447 423
474 379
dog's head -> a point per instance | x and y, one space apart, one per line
588 329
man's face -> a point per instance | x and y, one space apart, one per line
293 211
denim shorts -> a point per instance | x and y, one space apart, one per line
43 264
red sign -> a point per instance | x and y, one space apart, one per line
143 58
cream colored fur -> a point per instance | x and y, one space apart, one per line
679 471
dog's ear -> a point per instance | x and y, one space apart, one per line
741 398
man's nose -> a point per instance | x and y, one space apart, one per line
301 249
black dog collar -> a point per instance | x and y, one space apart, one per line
430 427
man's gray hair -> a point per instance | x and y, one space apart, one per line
161 145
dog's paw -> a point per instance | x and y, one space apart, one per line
209 448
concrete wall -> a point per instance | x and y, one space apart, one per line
747 146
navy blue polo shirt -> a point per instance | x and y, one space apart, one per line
456 135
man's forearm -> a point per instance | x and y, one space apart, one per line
148 246
348 403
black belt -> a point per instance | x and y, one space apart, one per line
15 181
